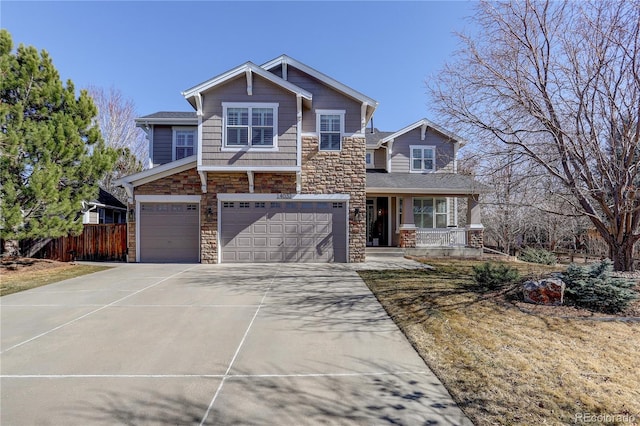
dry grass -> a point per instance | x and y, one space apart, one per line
506 366
24 274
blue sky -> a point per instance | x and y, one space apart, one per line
152 51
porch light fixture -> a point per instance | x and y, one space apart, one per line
356 213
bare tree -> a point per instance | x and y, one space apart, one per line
559 82
116 116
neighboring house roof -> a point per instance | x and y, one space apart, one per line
106 199
432 183
168 117
372 104
425 123
248 69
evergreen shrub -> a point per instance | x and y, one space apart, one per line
494 276
540 256
594 288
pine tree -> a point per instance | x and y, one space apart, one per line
52 154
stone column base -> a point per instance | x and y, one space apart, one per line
408 237
475 237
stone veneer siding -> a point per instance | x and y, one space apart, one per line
188 183
339 172
408 238
475 238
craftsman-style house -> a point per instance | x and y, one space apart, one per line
276 164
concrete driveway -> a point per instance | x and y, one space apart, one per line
212 344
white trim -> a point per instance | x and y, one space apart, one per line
249 106
148 130
174 130
244 169
298 130
249 81
158 172
251 184
219 231
203 181
321 112
283 197
348 230
418 191
423 148
389 154
372 153
168 198
421 123
284 59
180 121
248 66
389 222
196 199
363 117
474 226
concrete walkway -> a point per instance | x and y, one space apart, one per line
212 344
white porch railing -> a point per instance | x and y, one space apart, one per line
441 237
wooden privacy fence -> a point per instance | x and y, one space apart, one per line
97 242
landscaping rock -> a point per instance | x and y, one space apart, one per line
549 291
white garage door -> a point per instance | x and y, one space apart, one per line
169 232
283 231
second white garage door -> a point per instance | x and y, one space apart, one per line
283 231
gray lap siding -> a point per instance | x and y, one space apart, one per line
263 92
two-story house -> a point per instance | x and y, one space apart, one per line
276 164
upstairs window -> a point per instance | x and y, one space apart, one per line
184 142
330 124
250 125
423 159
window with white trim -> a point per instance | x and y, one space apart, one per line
184 142
430 212
423 158
250 125
330 128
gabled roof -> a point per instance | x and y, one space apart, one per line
420 123
284 59
168 117
158 172
247 67
373 137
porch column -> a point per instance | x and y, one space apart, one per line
475 229
407 227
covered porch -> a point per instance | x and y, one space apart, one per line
420 213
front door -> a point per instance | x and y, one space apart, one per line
378 221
